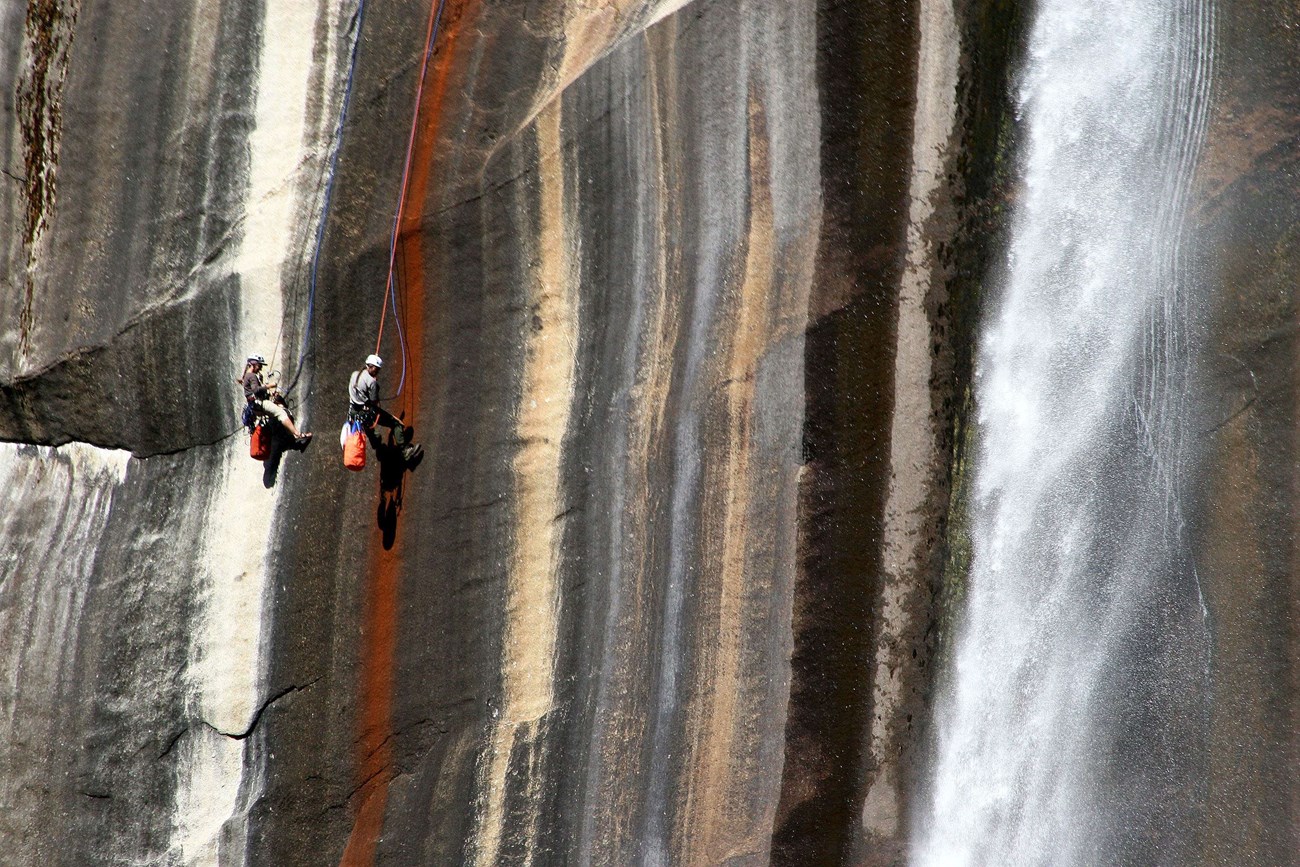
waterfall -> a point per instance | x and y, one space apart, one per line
1068 723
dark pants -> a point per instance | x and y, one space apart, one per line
372 417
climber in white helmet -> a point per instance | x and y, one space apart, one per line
263 399
363 407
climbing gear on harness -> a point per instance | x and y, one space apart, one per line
363 415
360 412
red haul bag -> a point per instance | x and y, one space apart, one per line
354 446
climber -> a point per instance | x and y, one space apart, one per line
363 407
266 400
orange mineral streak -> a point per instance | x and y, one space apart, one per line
380 623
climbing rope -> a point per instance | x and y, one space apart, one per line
358 21
390 287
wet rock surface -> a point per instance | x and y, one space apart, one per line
1244 516
637 604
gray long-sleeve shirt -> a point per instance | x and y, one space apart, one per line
363 388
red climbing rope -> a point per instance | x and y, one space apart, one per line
435 18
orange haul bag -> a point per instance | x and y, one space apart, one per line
353 439
259 445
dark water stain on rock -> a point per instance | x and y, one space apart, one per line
993 34
49 27
850 402
867 69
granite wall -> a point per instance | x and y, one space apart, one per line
676 319
1244 520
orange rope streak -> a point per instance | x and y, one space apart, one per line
380 624
434 6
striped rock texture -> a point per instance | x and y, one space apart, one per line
677 296
1245 521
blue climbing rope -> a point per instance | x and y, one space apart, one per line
329 193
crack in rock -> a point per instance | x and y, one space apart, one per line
265 706
171 743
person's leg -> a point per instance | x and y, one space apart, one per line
388 420
278 412
401 437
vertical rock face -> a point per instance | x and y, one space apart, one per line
677 316
171 166
590 581
1245 521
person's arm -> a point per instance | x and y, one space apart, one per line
353 390
253 388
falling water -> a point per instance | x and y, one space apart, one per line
1068 725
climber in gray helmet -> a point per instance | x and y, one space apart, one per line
363 407
264 399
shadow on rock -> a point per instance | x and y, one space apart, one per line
393 467
271 467
281 442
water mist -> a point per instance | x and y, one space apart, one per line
1068 722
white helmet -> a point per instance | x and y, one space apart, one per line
256 359
375 360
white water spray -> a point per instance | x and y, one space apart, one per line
1067 724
